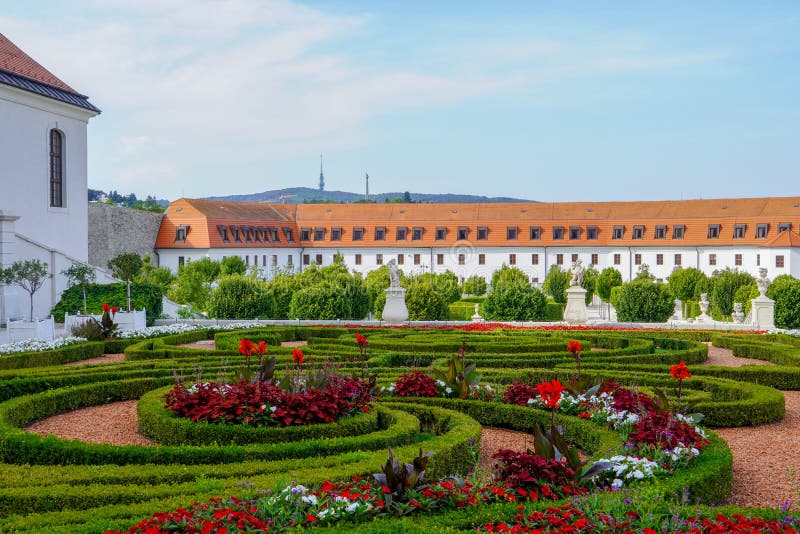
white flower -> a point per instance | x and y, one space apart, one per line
616 484
273 408
310 499
440 383
448 390
37 345
352 507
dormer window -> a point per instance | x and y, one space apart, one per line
762 230
274 236
287 232
511 233
235 232
319 234
483 233
592 232
574 232
463 233
638 232
618 232
441 233
739 230
256 234
536 233
380 233
661 232
713 231
305 234
223 233
180 233
358 233
416 233
247 234
558 232
336 233
678 231
401 233
784 227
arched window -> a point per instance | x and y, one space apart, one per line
56 169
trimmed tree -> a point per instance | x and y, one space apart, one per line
512 298
787 305
425 303
126 267
608 279
80 274
241 297
685 284
643 301
556 284
30 275
475 285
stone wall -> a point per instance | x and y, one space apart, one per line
114 230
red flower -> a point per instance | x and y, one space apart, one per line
245 347
298 356
680 371
574 346
311 518
262 347
114 310
550 392
106 307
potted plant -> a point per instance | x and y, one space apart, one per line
30 275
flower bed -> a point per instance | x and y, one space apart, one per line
35 345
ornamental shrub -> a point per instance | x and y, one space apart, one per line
424 303
515 302
556 284
726 283
608 279
282 288
241 297
643 301
518 393
416 384
744 295
685 284
143 296
320 301
474 285
787 305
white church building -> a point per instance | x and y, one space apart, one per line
43 176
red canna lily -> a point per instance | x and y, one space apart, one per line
574 346
245 347
550 392
262 347
114 310
106 307
298 357
680 371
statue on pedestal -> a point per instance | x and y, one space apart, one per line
577 274
762 281
394 275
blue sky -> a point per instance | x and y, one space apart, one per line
540 100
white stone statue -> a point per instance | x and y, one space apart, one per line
703 307
394 275
577 274
762 281
738 312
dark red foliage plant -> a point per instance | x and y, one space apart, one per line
518 393
548 477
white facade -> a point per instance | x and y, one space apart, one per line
30 228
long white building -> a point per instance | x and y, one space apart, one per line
471 239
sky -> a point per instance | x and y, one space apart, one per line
543 100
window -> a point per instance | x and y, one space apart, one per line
618 232
574 232
336 234
534 259
319 234
318 259
180 233
274 260
758 260
417 259
637 259
401 233
235 232
358 233
737 259
678 259
512 259
638 232
481 259
595 259
289 260
713 231
416 233
617 259
441 233
378 259
223 233
181 261
678 230
380 233
712 259
592 232
779 262
56 169
783 227
762 230
483 233
463 233
738 231
305 235
358 259
440 259
511 233
536 233
659 259
256 235
248 234
274 235
247 260
306 259
535 280
574 258
462 259
558 232
559 259
661 232
289 235
401 259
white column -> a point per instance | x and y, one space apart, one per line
8 241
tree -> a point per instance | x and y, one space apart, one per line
608 279
320 301
232 265
508 275
80 274
241 297
643 273
644 301
125 267
556 284
589 282
30 275
158 276
474 285
787 304
726 284
515 302
425 303
685 284
407 197
194 281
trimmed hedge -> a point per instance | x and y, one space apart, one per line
143 296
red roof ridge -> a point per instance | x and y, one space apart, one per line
786 238
13 59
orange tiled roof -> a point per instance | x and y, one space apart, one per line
15 60
694 215
785 240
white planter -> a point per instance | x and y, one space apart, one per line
135 320
22 330
72 321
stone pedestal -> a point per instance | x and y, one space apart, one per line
476 318
576 312
395 311
762 310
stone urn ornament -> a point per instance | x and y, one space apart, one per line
738 313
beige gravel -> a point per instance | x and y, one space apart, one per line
493 439
108 358
725 358
294 343
114 423
205 344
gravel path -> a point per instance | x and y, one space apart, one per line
108 358
493 439
114 423
725 358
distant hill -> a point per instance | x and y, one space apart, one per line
302 195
